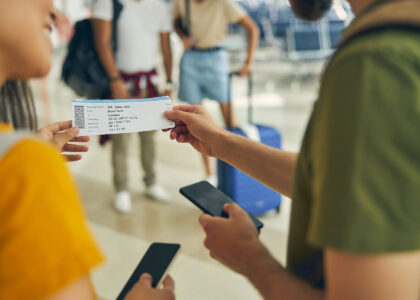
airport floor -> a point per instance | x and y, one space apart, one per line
280 100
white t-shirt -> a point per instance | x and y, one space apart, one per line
139 28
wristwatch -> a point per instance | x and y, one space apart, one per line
169 85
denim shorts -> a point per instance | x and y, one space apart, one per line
204 74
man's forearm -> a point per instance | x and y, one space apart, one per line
102 33
167 54
253 38
273 167
106 57
274 282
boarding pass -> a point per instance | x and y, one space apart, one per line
97 117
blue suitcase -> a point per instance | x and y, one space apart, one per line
252 195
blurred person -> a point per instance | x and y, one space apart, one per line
355 221
204 71
46 248
142 26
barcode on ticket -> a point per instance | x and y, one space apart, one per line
79 116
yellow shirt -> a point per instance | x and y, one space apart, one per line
45 244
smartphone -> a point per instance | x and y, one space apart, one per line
211 200
156 262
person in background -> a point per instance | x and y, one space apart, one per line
204 71
143 26
355 185
46 248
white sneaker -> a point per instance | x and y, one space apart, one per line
157 192
212 179
122 202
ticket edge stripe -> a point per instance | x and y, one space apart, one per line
121 101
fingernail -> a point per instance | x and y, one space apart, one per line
146 276
75 130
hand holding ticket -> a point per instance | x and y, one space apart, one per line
97 117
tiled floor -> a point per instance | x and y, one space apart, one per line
125 238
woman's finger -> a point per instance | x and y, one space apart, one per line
81 139
75 148
72 158
60 139
59 126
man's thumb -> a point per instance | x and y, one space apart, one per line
177 115
232 209
146 279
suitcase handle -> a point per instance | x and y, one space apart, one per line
250 93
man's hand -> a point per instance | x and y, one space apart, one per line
245 70
233 241
119 90
143 290
60 134
188 42
194 125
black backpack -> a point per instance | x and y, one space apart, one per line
82 71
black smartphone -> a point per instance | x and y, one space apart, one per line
211 200
156 262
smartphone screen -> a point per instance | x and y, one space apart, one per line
211 200
156 262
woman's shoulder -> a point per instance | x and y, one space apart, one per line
22 152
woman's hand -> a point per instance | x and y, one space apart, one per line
60 134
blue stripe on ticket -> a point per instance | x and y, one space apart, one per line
122 100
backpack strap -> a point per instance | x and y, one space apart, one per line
188 17
404 14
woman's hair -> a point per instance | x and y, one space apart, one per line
17 105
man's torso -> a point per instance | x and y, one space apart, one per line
209 19
138 31
305 259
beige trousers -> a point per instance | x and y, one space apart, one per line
119 159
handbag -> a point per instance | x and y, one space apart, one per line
82 70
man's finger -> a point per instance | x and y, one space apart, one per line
177 115
173 135
186 108
146 279
75 148
169 284
181 138
181 129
